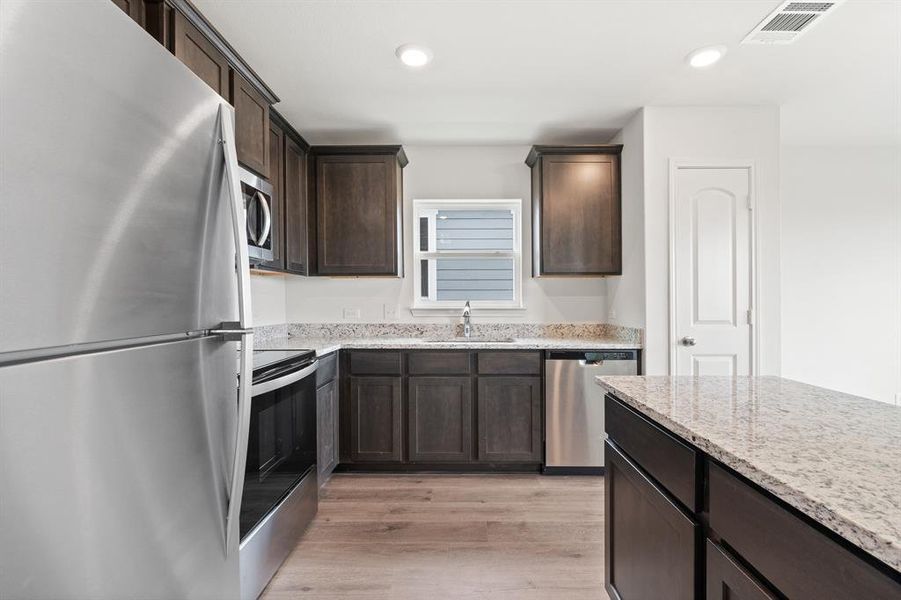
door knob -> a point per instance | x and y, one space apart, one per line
687 341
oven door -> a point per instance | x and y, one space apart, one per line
281 448
261 215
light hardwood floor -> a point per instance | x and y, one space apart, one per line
467 537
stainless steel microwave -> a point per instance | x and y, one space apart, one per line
261 211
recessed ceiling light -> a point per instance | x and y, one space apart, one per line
413 55
705 57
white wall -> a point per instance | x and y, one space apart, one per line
626 294
451 172
750 133
841 268
267 298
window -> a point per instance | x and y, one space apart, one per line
467 250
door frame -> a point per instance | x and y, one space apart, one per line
675 164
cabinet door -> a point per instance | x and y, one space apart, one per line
727 580
509 419
198 54
580 215
440 419
251 125
649 541
296 221
357 206
276 168
327 429
132 8
375 413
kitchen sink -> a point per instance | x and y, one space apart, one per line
473 339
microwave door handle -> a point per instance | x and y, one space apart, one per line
243 326
288 379
267 220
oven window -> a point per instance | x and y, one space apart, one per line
281 448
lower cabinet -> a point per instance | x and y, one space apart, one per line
327 429
649 541
739 543
509 419
727 580
440 419
376 426
444 409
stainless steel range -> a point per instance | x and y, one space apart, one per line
280 487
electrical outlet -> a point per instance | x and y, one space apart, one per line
390 312
351 314
613 314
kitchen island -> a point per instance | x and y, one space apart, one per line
758 487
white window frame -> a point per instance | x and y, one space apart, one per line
429 207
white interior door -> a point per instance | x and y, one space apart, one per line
712 271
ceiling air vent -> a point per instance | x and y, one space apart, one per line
786 24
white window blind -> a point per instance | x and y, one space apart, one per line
467 250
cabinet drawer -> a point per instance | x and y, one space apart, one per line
374 363
328 369
650 542
727 580
800 561
438 363
510 363
667 459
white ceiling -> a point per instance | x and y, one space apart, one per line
508 72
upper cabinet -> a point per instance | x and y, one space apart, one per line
197 53
178 26
251 125
297 209
358 195
132 8
576 210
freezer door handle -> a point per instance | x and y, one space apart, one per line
245 367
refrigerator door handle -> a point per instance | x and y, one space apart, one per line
239 217
239 226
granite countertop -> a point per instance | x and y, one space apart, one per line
325 345
833 456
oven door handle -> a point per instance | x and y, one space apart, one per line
274 384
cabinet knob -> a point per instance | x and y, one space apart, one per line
687 341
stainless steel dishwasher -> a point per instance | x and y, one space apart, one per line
574 407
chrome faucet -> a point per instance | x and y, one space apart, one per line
467 328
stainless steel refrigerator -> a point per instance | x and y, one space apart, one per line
124 311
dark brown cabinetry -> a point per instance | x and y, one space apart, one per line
664 496
132 8
327 429
440 419
376 427
509 419
576 210
727 580
297 216
251 125
797 559
358 196
649 541
192 48
452 409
